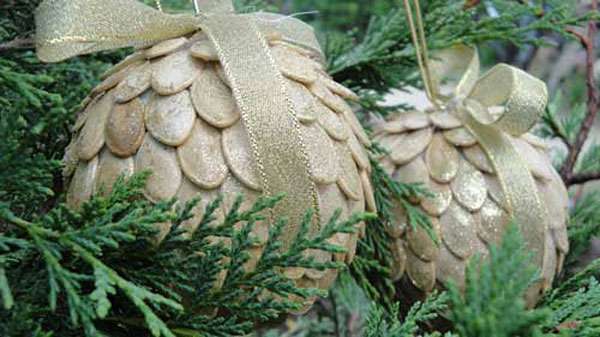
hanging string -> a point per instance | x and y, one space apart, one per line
196 6
158 5
420 43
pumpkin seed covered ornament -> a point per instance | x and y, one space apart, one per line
473 153
217 103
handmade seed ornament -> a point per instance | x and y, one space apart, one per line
217 103
473 153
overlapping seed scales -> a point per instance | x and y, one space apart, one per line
561 238
320 256
369 193
442 159
550 261
351 248
293 65
82 183
550 192
112 81
399 221
332 123
414 171
70 160
342 240
495 191
322 154
407 121
444 120
201 156
304 102
538 165
134 84
128 62
355 125
238 155
475 155
161 160
339 89
83 114
170 119
125 128
437 204
349 178
327 281
189 191
469 187
91 137
387 165
450 268
421 273
231 189
409 145
165 47
459 230
331 198
221 73
110 168
294 273
336 103
213 99
421 242
460 137
205 50
174 73
399 260
492 222
358 152
481 248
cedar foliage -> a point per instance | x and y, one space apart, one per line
99 272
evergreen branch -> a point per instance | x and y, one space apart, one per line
493 304
384 58
382 324
593 99
575 304
373 264
583 226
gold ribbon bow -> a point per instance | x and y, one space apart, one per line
504 102
67 28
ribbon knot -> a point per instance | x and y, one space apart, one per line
505 98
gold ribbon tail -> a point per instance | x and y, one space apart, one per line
268 116
518 185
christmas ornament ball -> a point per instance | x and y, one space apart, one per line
169 109
468 210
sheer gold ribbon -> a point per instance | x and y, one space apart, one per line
504 102
67 28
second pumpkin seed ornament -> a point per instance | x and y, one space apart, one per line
473 152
